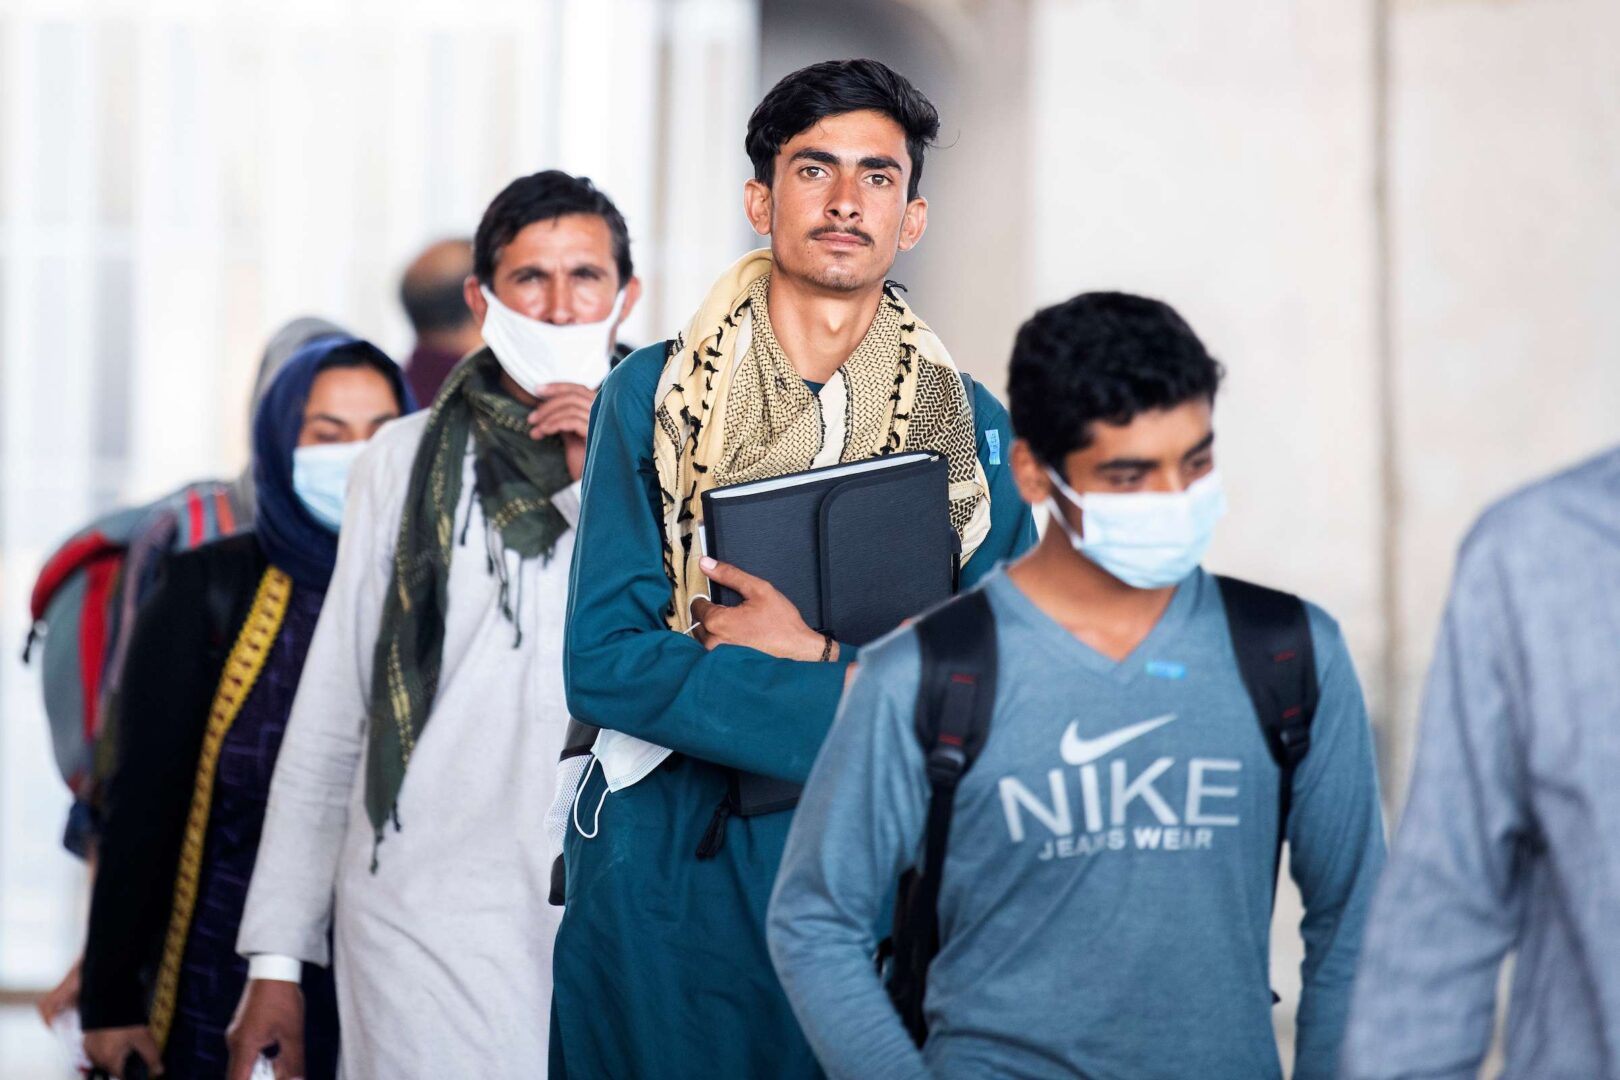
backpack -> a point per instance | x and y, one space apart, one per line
84 602
956 691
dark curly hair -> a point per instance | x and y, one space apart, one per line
831 88
545 196
1104 356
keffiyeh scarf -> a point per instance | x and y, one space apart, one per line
730 408
514 479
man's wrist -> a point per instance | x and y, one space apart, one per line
821 647
810 645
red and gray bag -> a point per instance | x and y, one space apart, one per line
83 603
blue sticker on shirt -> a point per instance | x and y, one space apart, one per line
992 438
1166 669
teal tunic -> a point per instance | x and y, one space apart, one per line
660 967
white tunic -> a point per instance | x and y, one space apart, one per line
443 956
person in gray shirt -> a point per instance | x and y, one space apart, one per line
1105 905
1511 836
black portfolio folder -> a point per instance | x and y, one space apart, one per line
857 548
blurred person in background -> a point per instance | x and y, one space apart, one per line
213 663
403 845
434 297
101 577
1510 841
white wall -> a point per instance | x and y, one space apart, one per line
1225 157
968 276
1505 154
1219 157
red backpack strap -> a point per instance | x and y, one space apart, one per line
69 558
196 521
224 516
102 583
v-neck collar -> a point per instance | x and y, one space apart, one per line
1066 648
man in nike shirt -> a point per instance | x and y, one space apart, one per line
1106 899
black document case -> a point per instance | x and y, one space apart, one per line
858 549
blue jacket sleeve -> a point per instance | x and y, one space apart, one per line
1449 909
626 671
1012 526
857 827
1336 851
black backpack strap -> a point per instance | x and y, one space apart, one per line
578 739
1271 637
956 695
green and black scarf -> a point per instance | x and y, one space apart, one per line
514 479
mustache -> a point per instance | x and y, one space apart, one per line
835 230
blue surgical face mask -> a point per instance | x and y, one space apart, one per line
1147 539
321 478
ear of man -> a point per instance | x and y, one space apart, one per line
474 295
757 206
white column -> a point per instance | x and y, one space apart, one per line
48 485
710 89
1506 269
607 64
176 348
1219 157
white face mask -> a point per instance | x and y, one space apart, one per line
321 478
1147 539
535 353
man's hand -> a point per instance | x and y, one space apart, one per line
109 1048
65 996
564 409
271 1014
765 620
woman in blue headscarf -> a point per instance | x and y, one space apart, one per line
214 661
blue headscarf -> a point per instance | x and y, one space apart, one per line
290 535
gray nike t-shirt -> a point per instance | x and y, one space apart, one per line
1107 893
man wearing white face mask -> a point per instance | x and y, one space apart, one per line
1121 792
420 756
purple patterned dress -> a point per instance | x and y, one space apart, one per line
212 974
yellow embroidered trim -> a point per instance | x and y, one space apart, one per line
241 672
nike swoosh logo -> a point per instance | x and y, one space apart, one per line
1078 751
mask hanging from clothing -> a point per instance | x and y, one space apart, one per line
535 353
321 478
1147 539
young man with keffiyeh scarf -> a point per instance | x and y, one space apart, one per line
802 355
418 763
